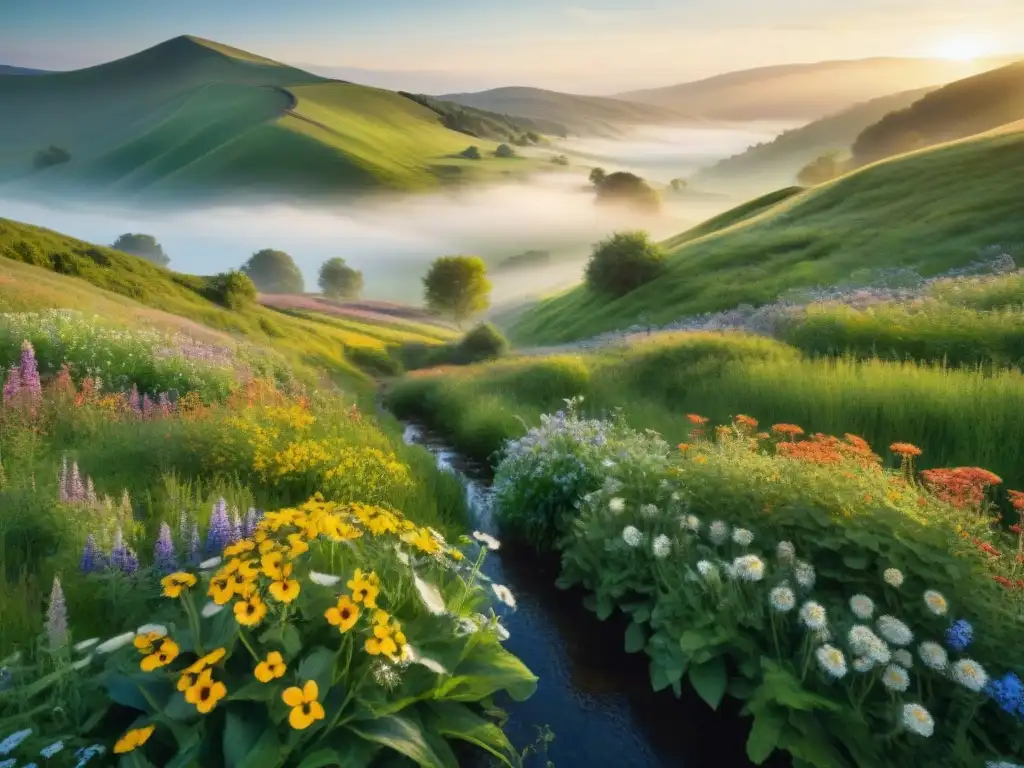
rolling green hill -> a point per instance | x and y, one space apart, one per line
776 163
955 111
805 91
197 116
582 115
931 210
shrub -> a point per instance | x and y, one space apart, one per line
484 342
143 246
624 262
233 289
597 176
628 188
471 152
274 272
457 286
504 150
374 360
559 159
340 281
29 253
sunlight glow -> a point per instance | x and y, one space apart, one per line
962 48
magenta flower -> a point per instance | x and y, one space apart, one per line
30 383
12 387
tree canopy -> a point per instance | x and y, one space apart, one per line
626 187
821 169
144 246
339 281
457 287
624 262
274 271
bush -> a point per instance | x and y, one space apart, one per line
504 150
29 253
624 262
374 360
233 289
628 188
274 272
471 152
484 342
559 159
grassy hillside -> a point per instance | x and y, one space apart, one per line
583 115
805 91
193 115
955 111
776 163
932 210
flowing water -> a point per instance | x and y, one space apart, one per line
594 697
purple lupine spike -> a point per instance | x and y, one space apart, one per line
193 545
30 383
92 559
163 552
62 480
90 493
147 407
236 526
218 535
131 562
12 387
57 617
249 523
76 490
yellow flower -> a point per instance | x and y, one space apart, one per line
267 545
455 554
133 739
296 546
241 585
205 694
220 590
164 655
249 569
191 674
271 563
212 657
175 583
365 588
251 611
381 642
423 540
244 545
344 615
144 642
273 667
306 710
285 589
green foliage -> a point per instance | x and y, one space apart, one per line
234 290
471 152
679 185
597 176
144 246
49 157
340 281
560 160
274 272
626 188
484 342
484 124
457 286
504 150
623 262
821 169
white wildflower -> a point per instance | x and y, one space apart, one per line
662 546
936 602
707 569
831 660
691 523
893 577
813 615
650 511
804 574
501 631
782 599
894 630
430 595
116 642
863 664
323 579
863 607
895 678
206 565
152 629
970 674
487 540
718 532
742 536
903 657
386 676
632 536
749 568
785 551
933 655
211 609
85 644
617 505
504 594
918 720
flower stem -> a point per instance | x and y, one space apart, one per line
245 642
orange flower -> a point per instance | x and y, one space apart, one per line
684 447
697 419
745 421
906 450
962 487
1017 500
787 429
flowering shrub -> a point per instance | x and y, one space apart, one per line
332 633
848 606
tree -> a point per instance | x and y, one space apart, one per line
821 169
597 176
274 272
623 186
504 150
471 152
50 156
624 262
560 160
339 281
678 185
143 246
233 289
457 286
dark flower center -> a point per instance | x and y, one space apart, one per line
305 707
250 608
345 613
204 694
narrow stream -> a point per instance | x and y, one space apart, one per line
595 697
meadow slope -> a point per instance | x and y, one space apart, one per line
931 210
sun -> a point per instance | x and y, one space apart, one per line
961 48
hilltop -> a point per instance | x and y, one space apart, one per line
192 115
776 163
931 210
954 111
582 115
7 69
804 91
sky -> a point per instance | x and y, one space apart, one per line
586 46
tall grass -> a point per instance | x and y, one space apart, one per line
958 417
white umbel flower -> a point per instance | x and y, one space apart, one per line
894 630
430 595
863 607
804 574
785 551
893 577
903 657
718 532
617 505
970 674
323 579
895 678
831 660
650 511
863 664
691 523
116 642
707 569
487 540
742 536
748 568
782 599
632 536
813 615
662 546
933 655
917 719
504 594
936 602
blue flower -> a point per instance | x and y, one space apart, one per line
52 749
163 552
1007 692
8 763
960 635
218 535
85 754
13 741
92 559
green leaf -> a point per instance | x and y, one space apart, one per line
487 669
605 607
323 758
253 690
179 709
636 638
590 603
249 739
666 670
135 691
859 562
458 721
186 758
782 687
402 734
291 641
710 680
692 640
317 665
764 734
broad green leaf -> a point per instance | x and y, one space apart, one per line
636 638
487 669
249 739
590 603
605 607
402 734
781 686
186 758
764 734
859 562
317 665
710 681
666 670
458 721
693 640
179 709
136 691
254 690
323 758
291 641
